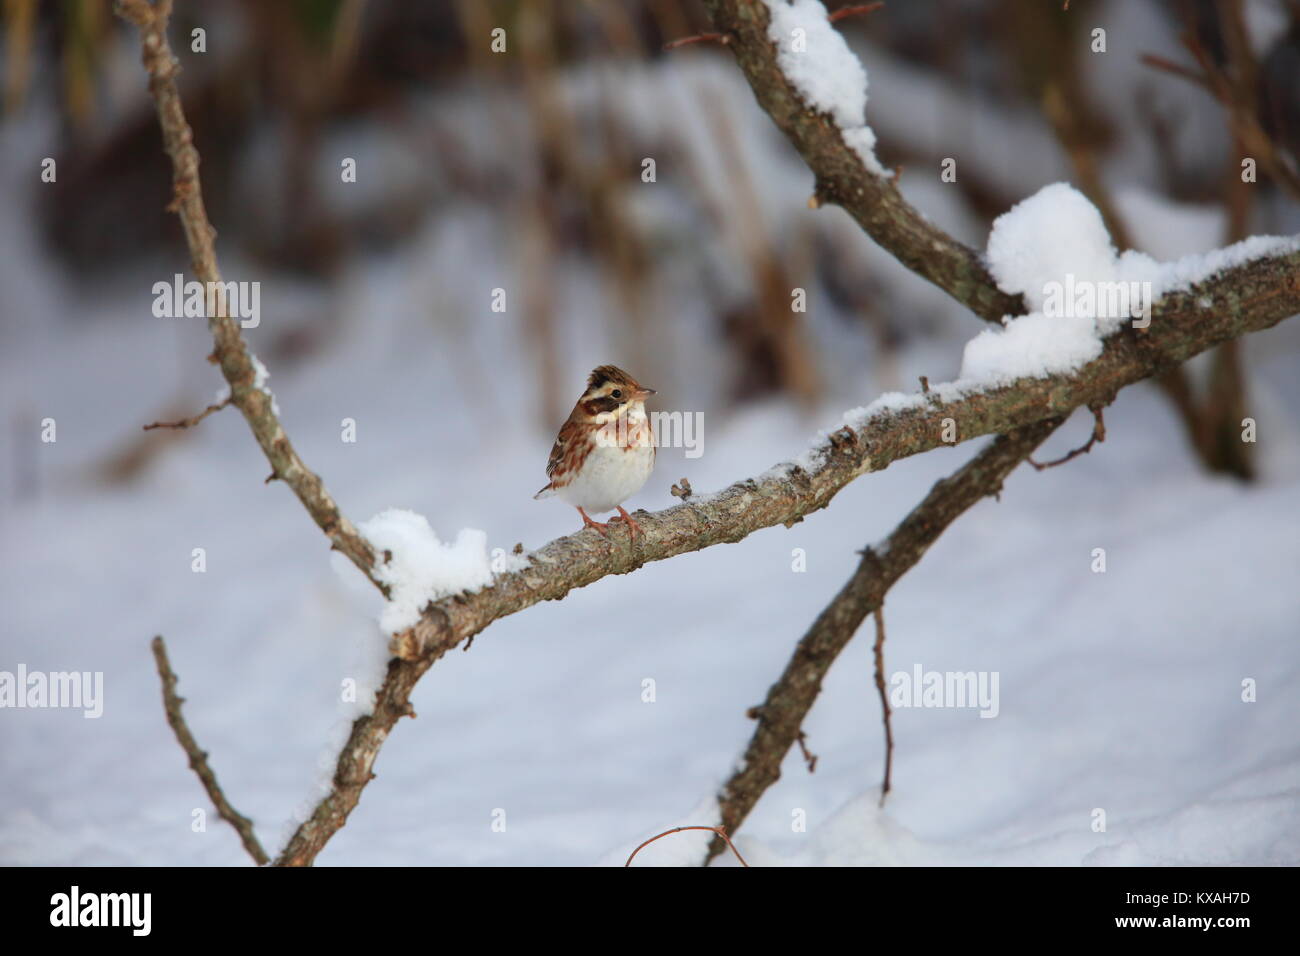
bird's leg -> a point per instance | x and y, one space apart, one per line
632 526
598 525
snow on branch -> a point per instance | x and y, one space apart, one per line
1254 294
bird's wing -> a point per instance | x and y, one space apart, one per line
568 432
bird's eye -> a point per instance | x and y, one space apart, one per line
617 393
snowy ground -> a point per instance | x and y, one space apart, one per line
1119 691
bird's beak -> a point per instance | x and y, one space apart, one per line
646 393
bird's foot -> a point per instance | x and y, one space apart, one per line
600 526
632 526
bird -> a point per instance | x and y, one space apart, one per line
605 451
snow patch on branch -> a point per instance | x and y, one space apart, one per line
1182 274
818 63
418 567
1056 240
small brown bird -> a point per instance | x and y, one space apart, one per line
606 450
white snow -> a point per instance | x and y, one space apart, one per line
260 377
1055 231
1188 270
1056 237
1031 346
418 567
830 78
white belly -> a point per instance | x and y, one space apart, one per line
609 477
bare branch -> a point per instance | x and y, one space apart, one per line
237 364
1235 94
791 698
199 759
878 650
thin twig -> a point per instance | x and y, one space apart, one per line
885 713
722 38
1236 94
193 420
858 9
1098 434
1158 62
809 757
721 831
199 759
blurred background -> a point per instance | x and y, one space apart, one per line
634 206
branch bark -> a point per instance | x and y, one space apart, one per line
789 700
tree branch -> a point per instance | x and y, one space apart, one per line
199 759
1253 296
873 201
238 366
788 701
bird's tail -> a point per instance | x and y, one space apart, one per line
545 492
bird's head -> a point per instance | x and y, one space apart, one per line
611 392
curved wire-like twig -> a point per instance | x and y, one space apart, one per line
721 831
1098 435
